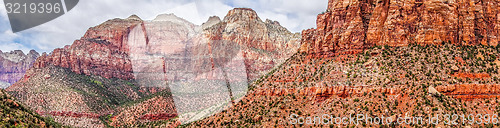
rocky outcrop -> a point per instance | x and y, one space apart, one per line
351 26
471 91
13 65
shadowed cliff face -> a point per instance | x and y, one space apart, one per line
351 26
13 65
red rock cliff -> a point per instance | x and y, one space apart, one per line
351 26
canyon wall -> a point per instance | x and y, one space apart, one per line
351 26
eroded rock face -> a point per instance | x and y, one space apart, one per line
350 26
13 65
167 52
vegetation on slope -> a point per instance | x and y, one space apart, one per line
14 114
411 69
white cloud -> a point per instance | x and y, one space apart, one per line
3 12
295 15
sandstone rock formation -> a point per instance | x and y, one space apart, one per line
13 65
351 26
265 44
105 50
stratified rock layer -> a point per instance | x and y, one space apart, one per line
143 57
351 26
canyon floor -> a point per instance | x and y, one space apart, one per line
410 81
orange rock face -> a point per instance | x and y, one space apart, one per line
470 91
355 25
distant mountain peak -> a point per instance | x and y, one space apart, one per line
241 14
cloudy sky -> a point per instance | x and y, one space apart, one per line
295 15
